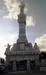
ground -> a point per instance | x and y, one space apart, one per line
26 73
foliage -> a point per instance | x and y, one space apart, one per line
42 55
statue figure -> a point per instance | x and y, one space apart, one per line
22 16
22 7
7 49
36 46
8 46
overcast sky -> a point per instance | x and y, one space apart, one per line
36 23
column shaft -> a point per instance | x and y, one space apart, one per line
28 65
14 66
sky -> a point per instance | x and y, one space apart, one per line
35 11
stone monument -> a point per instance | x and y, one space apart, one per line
22 56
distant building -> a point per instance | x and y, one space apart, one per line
22 56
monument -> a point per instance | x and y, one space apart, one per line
22 56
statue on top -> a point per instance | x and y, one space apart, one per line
22 5
22 16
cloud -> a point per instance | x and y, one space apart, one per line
4 40
41 41
13 11
30 21
13 8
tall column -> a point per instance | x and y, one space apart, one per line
22 24
14 66
28 65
